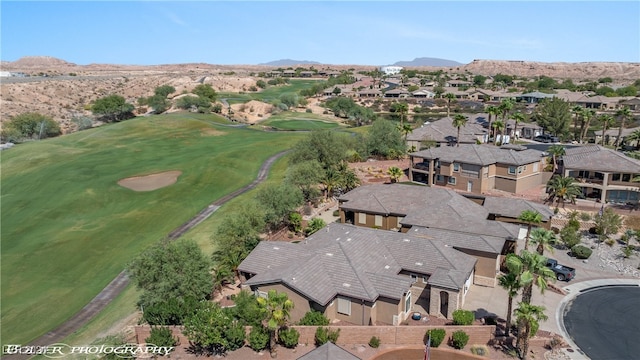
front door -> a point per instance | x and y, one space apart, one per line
469 185
444 303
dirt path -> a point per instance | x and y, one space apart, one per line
117 285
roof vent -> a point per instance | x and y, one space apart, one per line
346 285
346 232
276 248
348 239
406 240
329 254
337 239
419 263
387 267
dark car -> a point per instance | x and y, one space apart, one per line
563 273
546 138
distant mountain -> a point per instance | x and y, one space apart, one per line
36 61
289 62
427 61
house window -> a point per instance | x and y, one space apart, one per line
452 180
414 278
424 279
378 220
344 306
439 178
362 218
456 167
626 177
407 302
536 167
512 170
615 177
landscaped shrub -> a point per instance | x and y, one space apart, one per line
584 216
569 237
161 336
480 350
258 338
235 336
323 335
437 336
289 337
374 342
314 318
463 317
459 339
581 251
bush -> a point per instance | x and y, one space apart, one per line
235 336
374 342
161 336
585 216
314 318
258 338
29 126
308 111
289 337
459 339
323 335
480 350
463 317
437 336
581 251
569 237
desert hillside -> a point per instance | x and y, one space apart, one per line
66 89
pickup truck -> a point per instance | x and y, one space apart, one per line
562 272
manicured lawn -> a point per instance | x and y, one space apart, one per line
68 228
300 124
271 93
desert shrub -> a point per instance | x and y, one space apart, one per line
82 122
437 336
308 111
324 335
463 317
289 337
29 126
480 350
581 251
258 338
336 212
314 225
161 336
459 339
610 242
585 216
235 336
627 251
374 342
569 236
314 318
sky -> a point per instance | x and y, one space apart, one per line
329 32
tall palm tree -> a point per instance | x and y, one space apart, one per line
531 269
498 125
623 114
578 114
544 238
606 119
493 111
277 308
556 152
402 108
588 115
530 217
530 317
518 117
562 189
510 283
505 107
450 99
634 136
459 121
405 130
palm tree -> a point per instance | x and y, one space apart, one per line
331 181
395 173
450 98
498 125
529 316
277 307
530 217
544 238
624 114
510 283
505 107
562 189
405 130
588 114
459 121
492 111
634 136
578 113
518 117
402 108
221 275
606 119
556 151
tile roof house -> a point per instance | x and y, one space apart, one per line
360 275
442 132
603 174
478 168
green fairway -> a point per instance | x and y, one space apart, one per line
269 94
300 124
68 228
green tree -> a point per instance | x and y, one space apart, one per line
206 329
159 103
531 269
324 146
29 126
451 98
607 224
506 105
554 115
314 225
493 112
510 283
277 308
588 115
198 103
306 175
517 117
544 238
498 126
459 121
529 316
113 108
205 91
383 138
402 108
634 136
405 130
562 189
278 201
261 84
606 120
529 217
479 80
168 270
164 90
395 173
556 152
578 114
624 115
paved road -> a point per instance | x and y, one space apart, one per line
115 287
603 322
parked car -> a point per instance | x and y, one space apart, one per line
562 272
546 138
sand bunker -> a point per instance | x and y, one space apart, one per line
150 182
